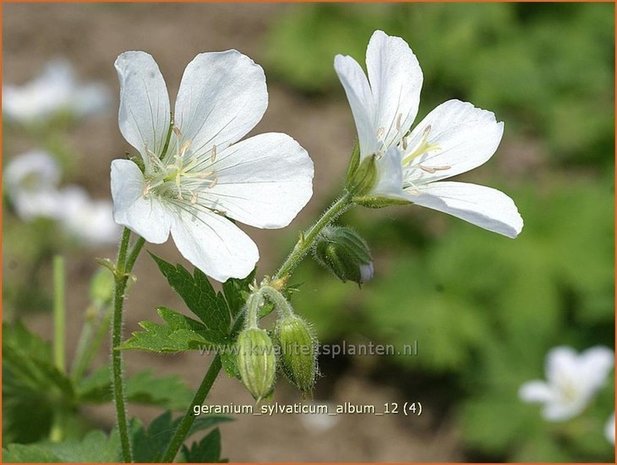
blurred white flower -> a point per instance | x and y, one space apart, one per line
609 429
205 176
452 139
319 422
31 181
55 90
572 381
89 221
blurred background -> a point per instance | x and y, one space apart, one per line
483 310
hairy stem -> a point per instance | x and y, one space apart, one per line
189 417
304 244
123 269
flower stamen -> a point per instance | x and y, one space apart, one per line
424 146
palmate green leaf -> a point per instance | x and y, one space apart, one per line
96 446
32 386
198 295
179 333
207 450
150 442
142 388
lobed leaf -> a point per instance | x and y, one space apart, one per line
179 334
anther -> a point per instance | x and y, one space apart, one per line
213 154
185 146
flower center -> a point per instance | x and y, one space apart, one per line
183 176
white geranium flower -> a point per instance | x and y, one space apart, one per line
412 164
54 91
609 429
205 176
572 381
31 181
89 221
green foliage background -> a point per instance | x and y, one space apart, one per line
485 310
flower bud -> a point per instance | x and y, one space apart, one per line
342 251
298 349
256 361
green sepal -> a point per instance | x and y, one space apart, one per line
363 178
354 161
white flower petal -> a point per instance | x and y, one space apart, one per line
562 364
214 244
461 138
263 181
536 391
41 97
43 203
561 411
480 205
148 217
222 97
396 80
144 103
88 220
32 171
595 365
360 100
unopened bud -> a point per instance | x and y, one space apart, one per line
298 349
342 251
256 361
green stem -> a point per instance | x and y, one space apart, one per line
123 269
280 302
252 309
189 417
304 244
59 312
302 247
